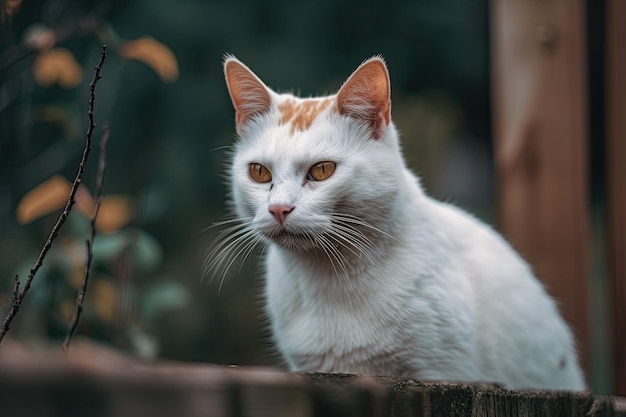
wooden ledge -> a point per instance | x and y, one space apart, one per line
100 382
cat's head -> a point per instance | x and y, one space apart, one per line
315 172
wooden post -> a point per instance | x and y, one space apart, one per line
616 177
540 140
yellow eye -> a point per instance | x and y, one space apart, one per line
321 171
259 173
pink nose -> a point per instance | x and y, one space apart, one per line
280 211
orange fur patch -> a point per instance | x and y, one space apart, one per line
301 113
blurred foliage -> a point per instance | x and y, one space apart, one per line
171 125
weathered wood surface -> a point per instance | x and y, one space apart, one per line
615 89
99 382
540 142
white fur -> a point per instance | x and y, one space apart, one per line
415 288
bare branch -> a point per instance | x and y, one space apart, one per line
18 298
78 307
16 290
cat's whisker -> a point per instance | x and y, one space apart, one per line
250 247
233 231
228 252
230 248
329 256
221 148
246 249
345 242
222 223
231 257
347 225
369 251
333 253
261 254
226 239
360 222
356 237
358 249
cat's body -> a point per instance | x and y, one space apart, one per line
365 272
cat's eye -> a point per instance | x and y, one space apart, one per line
321 171
259 173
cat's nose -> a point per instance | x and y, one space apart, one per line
280 211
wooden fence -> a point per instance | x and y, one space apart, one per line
541 139
98 382
616 172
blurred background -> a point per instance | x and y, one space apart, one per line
171 120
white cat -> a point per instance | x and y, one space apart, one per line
365 272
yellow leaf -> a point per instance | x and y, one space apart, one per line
77 276
104 299
57 65
115 212
153 53
47 197
67 309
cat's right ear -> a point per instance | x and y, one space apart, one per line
366 95
248 93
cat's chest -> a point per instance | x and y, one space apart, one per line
337 339
333 329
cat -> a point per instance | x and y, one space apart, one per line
365 273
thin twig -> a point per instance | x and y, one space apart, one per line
16 290
78 306
18 298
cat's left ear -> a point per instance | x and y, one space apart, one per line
249 95
366 95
